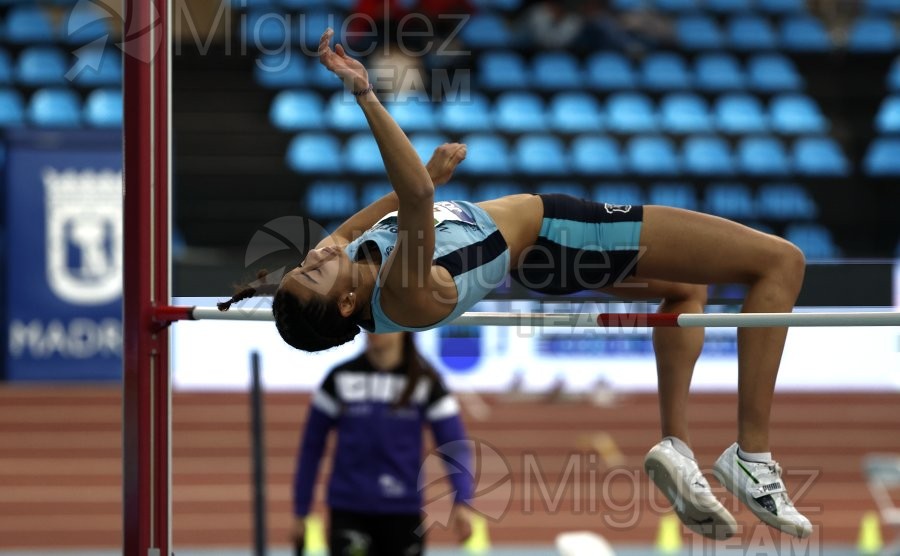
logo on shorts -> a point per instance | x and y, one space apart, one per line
611 208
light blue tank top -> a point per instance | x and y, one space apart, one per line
466 242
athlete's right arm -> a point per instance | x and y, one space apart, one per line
408 176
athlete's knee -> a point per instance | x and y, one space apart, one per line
788 266
681 292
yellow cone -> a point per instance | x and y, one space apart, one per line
480 541
869 534
315 536
668 539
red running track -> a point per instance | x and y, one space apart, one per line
60 465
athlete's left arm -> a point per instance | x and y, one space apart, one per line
443 162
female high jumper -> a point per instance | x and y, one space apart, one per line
408 263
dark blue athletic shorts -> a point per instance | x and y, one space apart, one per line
582 245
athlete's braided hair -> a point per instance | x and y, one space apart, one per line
313 325
260 286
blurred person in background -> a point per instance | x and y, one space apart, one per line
379 403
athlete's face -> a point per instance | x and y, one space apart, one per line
324 271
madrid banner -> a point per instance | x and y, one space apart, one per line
64 256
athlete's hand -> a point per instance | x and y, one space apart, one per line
461 522
351 72
444 161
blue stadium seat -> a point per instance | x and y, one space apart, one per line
28 24
330 199
665 71
103 108
676 5
679 195
750 33
12 108
610 71
762 156
501 5
425 143
374 190
718 72
813 239
572 188
796 114
266 28
872 34
888 118
707 156
255 4
361 154
782 7
729 6
804 34
893 79
596 155
773 73
819 156
413 115
517 112
684 113
486 30
487 190
453 191
785 201
630 5
556 70
502 70
575 112
630 113
698 32
618 193
85 23
303 5
652 155
486 154
308 29
541 154
466 114
278 71
729 200
107 74
6 67
54 108
297 110
315 153
343 113
42 65
881 158
740 113
883 6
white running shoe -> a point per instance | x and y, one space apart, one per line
679 478
759 487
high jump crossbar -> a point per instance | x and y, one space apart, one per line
589 320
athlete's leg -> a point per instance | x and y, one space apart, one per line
691 247
676 349
673 468
697 248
